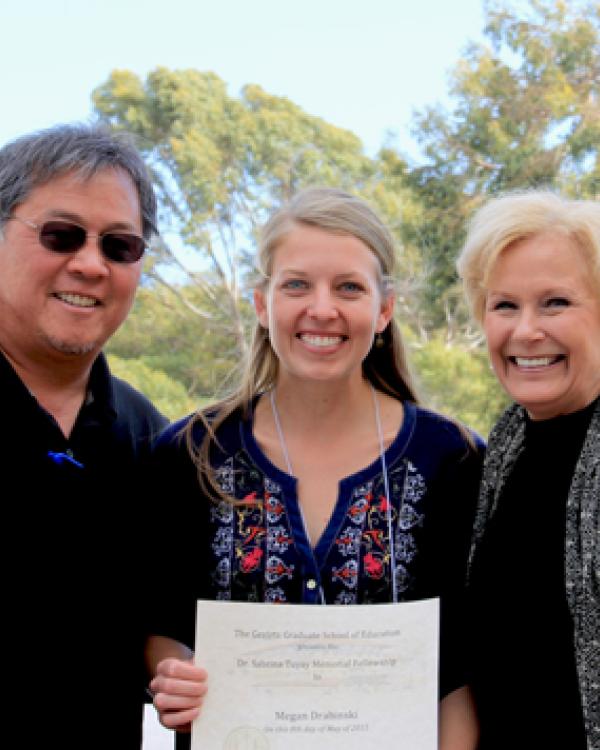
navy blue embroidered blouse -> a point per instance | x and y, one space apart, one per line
259 551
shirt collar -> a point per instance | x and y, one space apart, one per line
100 398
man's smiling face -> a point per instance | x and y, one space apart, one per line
67 304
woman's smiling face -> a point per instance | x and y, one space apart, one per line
542 325
323 304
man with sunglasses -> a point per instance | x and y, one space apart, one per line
77 210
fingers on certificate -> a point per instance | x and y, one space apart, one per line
179 688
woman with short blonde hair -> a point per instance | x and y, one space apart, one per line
531 272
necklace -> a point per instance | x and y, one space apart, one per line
290 471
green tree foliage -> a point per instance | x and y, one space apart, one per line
168 395
160 333
458 382
526 113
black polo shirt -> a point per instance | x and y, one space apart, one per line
75 564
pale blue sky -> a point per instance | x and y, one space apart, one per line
361 64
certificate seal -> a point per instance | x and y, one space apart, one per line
246 738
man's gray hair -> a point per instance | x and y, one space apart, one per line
34 159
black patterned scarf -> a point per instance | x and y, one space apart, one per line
582 545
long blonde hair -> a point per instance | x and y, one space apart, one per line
385 366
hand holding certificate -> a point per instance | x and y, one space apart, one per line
284 676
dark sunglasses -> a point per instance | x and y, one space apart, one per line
66 237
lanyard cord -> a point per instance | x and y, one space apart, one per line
288 464
282 442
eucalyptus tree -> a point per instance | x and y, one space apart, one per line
525 112
220 164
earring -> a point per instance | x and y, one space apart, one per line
379 342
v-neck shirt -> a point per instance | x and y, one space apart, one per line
260 551
288 484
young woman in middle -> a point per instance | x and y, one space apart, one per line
321 480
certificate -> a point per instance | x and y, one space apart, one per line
297 676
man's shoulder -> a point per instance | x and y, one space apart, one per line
135 409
